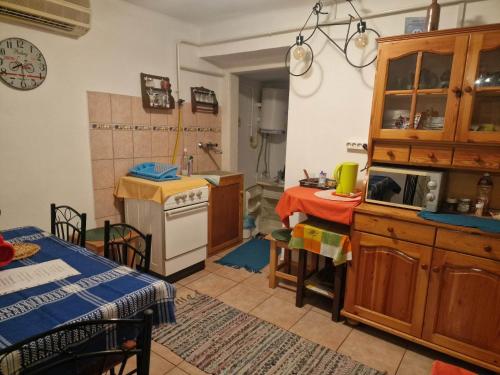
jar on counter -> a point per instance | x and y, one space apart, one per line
450 205
463 205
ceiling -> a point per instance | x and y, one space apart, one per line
203 12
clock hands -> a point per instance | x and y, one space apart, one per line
14 67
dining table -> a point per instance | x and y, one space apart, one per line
100 289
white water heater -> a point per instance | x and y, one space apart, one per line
274 110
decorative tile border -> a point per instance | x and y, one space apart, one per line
97 126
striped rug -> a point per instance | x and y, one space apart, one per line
220 339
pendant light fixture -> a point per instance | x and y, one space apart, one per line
302 52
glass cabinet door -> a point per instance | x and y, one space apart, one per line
418 89
479 119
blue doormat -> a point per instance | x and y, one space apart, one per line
253 255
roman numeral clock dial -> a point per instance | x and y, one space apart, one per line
22 65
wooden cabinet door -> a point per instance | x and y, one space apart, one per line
225 223
479 118
417 88
387 281
463 305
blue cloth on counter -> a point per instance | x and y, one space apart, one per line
102 290
482 223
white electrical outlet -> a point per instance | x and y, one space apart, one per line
356 145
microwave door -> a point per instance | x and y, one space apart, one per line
397 189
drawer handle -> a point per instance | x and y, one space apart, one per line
413 136
390 153
488 248
390 229
436 269
468 89
425 267
477 159
431 155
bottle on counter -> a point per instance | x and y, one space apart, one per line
484 191
190 166
184 162
464 205
450 205
322 179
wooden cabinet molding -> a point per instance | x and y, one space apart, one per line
463 305
388 281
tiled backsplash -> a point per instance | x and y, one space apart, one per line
123 134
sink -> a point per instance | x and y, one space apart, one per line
217 173
215 176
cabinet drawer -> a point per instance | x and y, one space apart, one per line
474 157
474 244
431 156
391 153
401 230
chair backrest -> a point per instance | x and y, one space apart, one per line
80 348
126 245
68 224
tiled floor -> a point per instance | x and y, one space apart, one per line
250 293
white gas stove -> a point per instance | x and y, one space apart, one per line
179 228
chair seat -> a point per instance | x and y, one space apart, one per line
282 234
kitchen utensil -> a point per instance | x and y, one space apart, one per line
306 174
346 175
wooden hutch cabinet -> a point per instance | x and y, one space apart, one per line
436 104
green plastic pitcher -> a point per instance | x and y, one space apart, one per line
346 175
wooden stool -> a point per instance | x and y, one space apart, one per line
275 266
337 294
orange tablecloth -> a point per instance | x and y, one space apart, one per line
302 199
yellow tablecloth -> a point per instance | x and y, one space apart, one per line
139 188
327 239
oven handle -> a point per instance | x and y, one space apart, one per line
177 211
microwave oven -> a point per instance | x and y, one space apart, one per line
415 189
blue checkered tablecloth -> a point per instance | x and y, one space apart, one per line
102 290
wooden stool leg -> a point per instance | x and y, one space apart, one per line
273 264
288 260
338 290
301 272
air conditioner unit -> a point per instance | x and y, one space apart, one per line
68 17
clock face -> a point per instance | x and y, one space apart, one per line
22 65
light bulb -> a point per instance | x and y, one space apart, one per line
361 40
299 53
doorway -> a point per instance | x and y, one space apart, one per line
262 124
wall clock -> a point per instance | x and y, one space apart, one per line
22 65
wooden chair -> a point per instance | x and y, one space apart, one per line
68 224
126 245
336 295
275 266
80 349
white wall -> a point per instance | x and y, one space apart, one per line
332 104
44 136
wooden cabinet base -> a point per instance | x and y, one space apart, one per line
353 317
225 214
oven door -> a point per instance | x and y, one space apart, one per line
186 229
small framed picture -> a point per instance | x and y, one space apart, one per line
414 25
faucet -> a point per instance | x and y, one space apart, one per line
210 146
